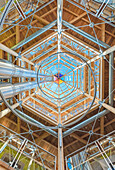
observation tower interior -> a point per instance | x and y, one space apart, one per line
57 84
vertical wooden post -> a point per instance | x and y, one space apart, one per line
60 144
18 79
19 124
1 54
17 34
102 80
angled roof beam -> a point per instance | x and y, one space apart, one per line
93 14
84 34
40 114
73 105
36 34
109 50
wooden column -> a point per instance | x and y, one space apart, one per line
18 79
17 34
1 54
60 145
102 80
18 124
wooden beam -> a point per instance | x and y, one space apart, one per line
35 112
26 129
78 138
86 135
18 125
103 32
41 20
108 107
87 21
78 18
1 54
102 125
109 38
110 50
17 34
41 137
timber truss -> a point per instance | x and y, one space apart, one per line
55 69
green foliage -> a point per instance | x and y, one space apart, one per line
23 159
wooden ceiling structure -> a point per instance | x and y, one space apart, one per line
87 30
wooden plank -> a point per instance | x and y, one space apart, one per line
18 125
78 138
1 54
86 135
17 34
41 20
41 137
78 18
26 130
46 118
102 125
87 21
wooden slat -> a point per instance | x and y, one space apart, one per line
79 138
78 18
86 135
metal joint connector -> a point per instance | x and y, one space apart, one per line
59 125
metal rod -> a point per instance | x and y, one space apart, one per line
30 163
59 24
84 123
108 161
6 111
84 34
5 144
60 143
5 12
36 34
